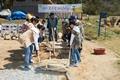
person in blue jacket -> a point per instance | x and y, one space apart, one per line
52 23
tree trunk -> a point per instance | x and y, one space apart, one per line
1 4
6 4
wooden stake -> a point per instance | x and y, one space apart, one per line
53 34
69 57
38 56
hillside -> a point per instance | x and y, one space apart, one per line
94 7
91 7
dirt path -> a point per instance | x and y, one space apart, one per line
96 67
92 67
10 54
103 67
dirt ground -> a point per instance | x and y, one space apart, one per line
92 67
98 67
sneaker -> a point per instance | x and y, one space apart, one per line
77 64
26 68
72 65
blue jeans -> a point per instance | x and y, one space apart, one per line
40 39
75 56
51 34
28 55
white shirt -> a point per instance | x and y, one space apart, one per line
36 36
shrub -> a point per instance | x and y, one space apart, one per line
90 32
116 30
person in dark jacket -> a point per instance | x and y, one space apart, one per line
52 26
72 23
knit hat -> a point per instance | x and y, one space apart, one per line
72 17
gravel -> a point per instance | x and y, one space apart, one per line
17 74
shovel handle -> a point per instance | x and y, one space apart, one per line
69 56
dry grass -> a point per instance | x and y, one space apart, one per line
12 21
113 44
3 20
110 41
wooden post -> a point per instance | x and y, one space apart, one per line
69 57
99 26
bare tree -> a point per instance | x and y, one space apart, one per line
1 4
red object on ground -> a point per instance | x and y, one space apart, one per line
99 51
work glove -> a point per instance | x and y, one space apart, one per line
55 29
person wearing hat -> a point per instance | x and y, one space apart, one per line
52 26
74 45
72 23
28 38
72 19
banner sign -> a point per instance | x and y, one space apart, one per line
59 8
